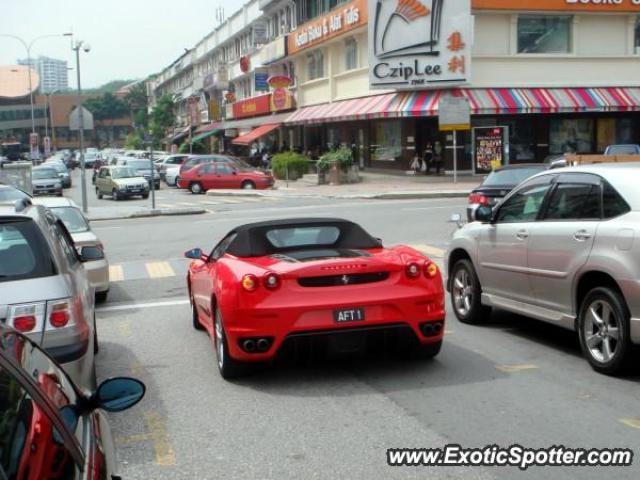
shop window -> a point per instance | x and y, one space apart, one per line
386 142
637 36
315 65
571 136
544 34
351 54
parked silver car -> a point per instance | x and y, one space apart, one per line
44 290
86 241
564 247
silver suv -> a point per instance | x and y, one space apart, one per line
563 247
44 290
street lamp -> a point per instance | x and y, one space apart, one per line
76 48
27 47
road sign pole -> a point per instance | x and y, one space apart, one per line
152 179
83 178
455 156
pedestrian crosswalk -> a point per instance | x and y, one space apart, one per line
177 267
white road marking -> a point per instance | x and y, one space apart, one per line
136 306
98 227
411 209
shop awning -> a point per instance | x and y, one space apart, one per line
488 101
180 133
206 131
375 106
254 134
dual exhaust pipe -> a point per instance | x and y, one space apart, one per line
255 345
431 329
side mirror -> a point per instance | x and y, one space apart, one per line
484 214
195 254
118 394
87 254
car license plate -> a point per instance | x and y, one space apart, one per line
346 315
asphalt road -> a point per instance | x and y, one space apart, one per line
511 381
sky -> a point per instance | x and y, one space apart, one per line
129 39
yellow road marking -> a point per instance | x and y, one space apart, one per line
124 329
165 455
160 270
631 422
429 250
138 437
448 332
515 368
116 273
137 369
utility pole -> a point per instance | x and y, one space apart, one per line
83 177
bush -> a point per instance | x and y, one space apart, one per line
134 142
342 156
297 164
198 147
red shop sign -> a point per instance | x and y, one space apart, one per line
252 107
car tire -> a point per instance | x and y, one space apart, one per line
194 316
115 195
101 297
98 194
96 345
605 338
227 366
248 185
145 196
195 188
466 294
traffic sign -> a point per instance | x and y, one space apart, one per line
454 113
74 119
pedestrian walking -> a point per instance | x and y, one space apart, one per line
437 156
427 158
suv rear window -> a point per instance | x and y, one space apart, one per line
24 253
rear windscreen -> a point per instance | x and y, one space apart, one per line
24 253
303 236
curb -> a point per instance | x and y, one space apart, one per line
354 196
153 213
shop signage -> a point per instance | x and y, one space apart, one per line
230 97
559 5
245 64
259 31
419 43
489 148
193 110
279 81
281 99
214 110
231 132
454 113
273 51
260 78
338 21
252 107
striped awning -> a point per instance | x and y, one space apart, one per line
255 134
206 131
491 101
376 106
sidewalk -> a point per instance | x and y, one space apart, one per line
118 212
374 185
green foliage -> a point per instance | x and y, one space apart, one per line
134 142
109 87
198 147
106 107
136 101
297 164
342 156
162 117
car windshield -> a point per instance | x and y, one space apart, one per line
72 219
59 167
139 164
123 172
23 252
44 173
8 194
511 176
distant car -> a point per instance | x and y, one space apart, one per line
622 150
63 171
44 290
86 241
561 248
194 160
51 427
142 167
223 175
46 181
90 158
11 194
120 183
499 183
274 283
171 176
171 160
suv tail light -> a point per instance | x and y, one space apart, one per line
412 270
59 314
26 318
479 199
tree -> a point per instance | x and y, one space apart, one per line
134 141
106 109
162 117
136 101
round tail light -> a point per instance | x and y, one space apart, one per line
413 270
271 281
250 282
59 318
430 270
25 323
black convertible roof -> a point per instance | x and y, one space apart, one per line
251 239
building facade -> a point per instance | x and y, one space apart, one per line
53 73
542 77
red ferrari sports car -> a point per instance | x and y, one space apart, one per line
272 283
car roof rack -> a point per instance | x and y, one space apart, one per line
22 204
